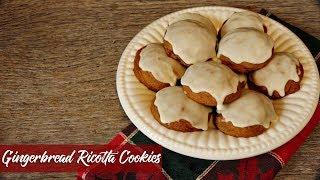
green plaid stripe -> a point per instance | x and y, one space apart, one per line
177 166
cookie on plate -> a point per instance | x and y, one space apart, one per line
174 110
155 69
191 38
245 49
244 19
280 77
212 83
248 116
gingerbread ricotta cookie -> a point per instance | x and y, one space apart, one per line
190 39
280 77
248 116
174 110
244 19
155 69
245 49
211 83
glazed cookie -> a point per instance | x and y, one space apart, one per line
245 49
174 110
280 77
244 19
211 83
248 116
190 39
198 18
155 69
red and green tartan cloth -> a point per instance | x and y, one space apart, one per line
178 166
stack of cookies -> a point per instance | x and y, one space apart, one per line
224 79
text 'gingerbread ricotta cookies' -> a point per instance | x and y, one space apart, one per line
211 83
280 77
174 110
155 69
245 49
190 39
245 19
248 116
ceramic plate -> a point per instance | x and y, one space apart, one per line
294 110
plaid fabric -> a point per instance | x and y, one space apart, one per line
310 41
177 166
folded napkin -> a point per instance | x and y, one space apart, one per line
177 166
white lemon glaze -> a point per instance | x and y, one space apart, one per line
193 38
212 77
174 105
241 20
153 59
198 18
275 75
246 45
252 108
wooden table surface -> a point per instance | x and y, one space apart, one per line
59 61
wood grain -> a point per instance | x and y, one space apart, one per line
59 61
